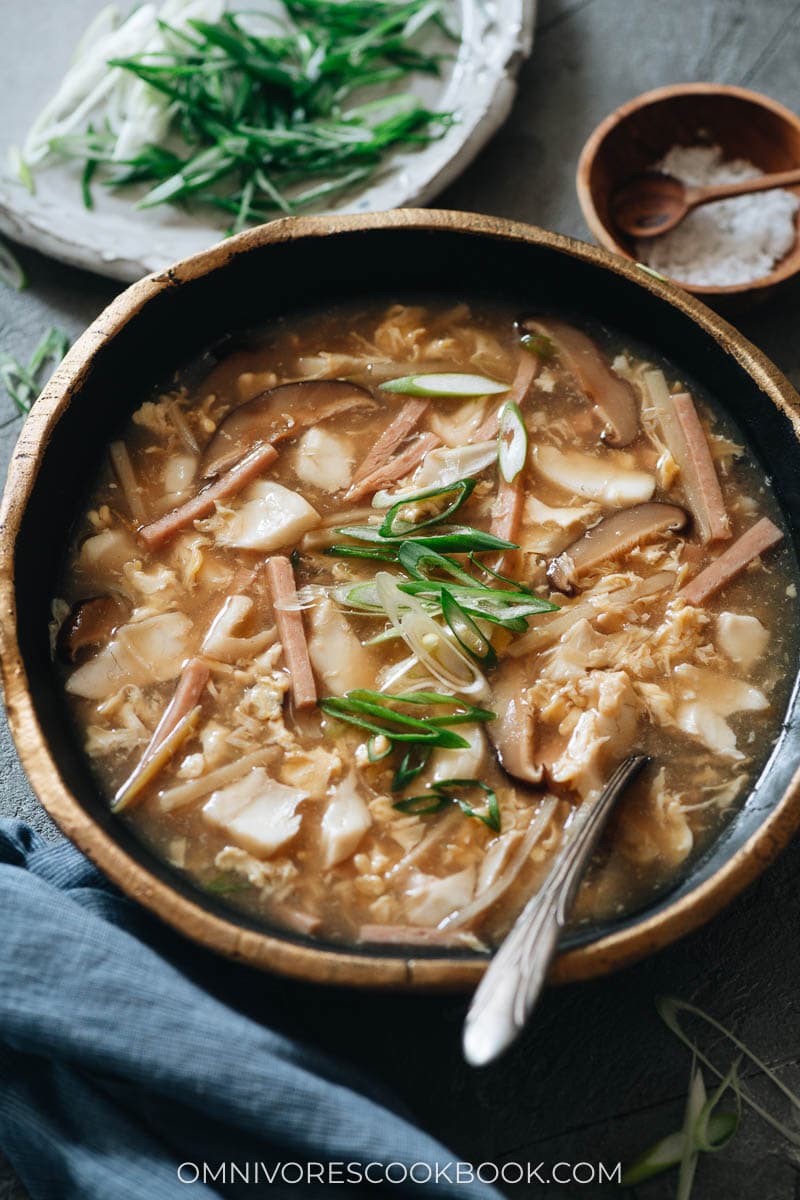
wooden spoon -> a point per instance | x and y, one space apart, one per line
515 976
652 203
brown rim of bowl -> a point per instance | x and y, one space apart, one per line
263 949
604 235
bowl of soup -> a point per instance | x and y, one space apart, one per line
343 562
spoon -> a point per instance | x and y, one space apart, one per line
652 203
514 978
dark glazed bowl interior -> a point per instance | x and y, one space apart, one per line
260 280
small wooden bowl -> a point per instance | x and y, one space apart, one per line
744 123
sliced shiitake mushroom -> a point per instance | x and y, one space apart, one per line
613 398
513 733
88 624
614 535
277 414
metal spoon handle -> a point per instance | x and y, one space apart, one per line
514 978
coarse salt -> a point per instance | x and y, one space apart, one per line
727 242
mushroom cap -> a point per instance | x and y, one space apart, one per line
276 414
613 397
89 623
613 535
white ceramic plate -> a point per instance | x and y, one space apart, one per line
121 241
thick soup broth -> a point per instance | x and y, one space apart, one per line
262 570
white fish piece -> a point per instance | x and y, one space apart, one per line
431 899
270 517
722 693
603 735
446 464
701 722
221 641
324 460
456 425
179 474
257 812
345 821
104 554
741 637
706 698
538 513
465 762
336 654
142 652
595 477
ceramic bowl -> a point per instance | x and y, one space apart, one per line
163 322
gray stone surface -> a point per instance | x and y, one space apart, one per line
598 1077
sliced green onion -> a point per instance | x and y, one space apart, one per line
516 584
459 539
414 558
512 442
11 272
460 490
376 756
468 714
429 802
438 798
411 729
540 345
444 385
466 632
413 762
379 553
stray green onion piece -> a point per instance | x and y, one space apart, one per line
512 441
11 272
540 345
23 383
444 385
438 797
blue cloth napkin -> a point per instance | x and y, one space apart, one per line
122 1074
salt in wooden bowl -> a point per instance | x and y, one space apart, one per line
743 123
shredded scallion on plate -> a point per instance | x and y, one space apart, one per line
244 111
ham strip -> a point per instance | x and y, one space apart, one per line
507 512
290 630
395 432
756 541
711 515
233 481
527 370
397 467
193 680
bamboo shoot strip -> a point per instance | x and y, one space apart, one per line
289 620
393 435
123 467
686 442
245 471
756 541
397 467
193 680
